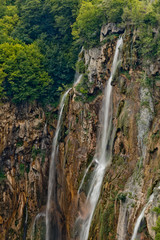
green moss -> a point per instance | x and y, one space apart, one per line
118 160
107 223
84 90
22 169
155 136
2 176
122 196
126 73
80 66
35 152
149 192
109 38
123 119
19 143
120 107
157 227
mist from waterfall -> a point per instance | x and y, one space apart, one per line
102 156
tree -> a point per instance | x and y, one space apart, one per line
86 29
24 78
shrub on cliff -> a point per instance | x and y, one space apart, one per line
157 227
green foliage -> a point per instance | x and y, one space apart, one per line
122 196
114 10
45 28
157 227
35 152
40 40
149 192
24 78
2 176
22 169
19 143
83 89
80 66
49 24
132 12
107 222
86 29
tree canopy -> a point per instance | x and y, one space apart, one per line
46 35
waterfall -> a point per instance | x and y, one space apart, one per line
78 78
52 168
43 137
51 184
102 155
139 219
85 174
39 215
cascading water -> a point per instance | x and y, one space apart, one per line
52 169
50 232
85 174
103 153
37 218
139 219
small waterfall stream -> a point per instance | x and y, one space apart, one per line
39 216
141 216
51 185
102 156
52 167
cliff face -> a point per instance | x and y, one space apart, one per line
25 150
134 173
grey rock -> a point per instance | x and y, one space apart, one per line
110 28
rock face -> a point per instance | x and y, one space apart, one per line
110 28
25 151
133 176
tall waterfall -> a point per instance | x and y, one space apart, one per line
51 188
103 153
54 233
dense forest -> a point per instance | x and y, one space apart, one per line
40 39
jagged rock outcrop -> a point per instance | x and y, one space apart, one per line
110 28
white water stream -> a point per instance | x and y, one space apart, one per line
103 153
39 215
52 162
139 219
52 165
